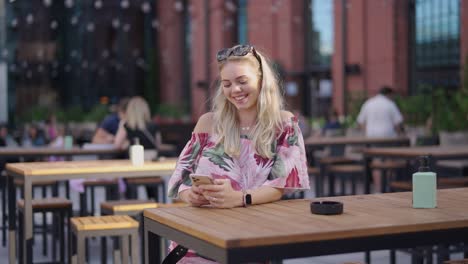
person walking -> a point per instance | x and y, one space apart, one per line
380 117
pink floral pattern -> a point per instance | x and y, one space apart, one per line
287 169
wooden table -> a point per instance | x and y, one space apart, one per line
314 143
32 172
412 153
287 229
16 154
48 151
359 140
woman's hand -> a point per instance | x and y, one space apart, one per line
221 194
194 196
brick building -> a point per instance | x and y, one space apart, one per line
331 53
406 44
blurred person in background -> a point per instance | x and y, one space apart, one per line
6 140
59 139
137 124
58 142
107 130
303 123
332 123
51 127
33 137
380 117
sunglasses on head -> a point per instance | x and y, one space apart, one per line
240 51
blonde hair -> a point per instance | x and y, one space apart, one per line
138 113
269 106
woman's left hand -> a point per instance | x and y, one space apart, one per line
221 194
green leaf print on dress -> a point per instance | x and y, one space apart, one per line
293 140
218 157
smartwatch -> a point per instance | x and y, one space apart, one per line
248 199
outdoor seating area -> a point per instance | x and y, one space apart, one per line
330 176
234 131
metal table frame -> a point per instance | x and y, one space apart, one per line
28 181
154 231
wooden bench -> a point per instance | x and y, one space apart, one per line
461 261
442 183
336 160
131 207
154 187
313 170
345 170
126 207
386 167
110 187
324 164
104 226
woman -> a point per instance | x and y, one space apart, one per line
136 126
252 148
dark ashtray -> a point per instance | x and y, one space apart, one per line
326 207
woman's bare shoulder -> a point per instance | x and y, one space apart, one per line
286 115
205 123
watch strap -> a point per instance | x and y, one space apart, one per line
246 198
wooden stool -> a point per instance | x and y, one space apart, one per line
154 187
351 170
103 226
110 187
43 186
61 209
401 186
133 208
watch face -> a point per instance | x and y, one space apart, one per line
248 199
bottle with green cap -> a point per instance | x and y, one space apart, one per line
424 186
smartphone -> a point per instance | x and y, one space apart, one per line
198 179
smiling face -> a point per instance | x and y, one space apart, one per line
241 84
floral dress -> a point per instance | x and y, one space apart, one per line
286 170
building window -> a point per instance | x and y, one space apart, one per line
322 31
437 43
242 22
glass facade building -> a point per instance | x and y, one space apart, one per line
322 31
318 52
436 43
242 25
